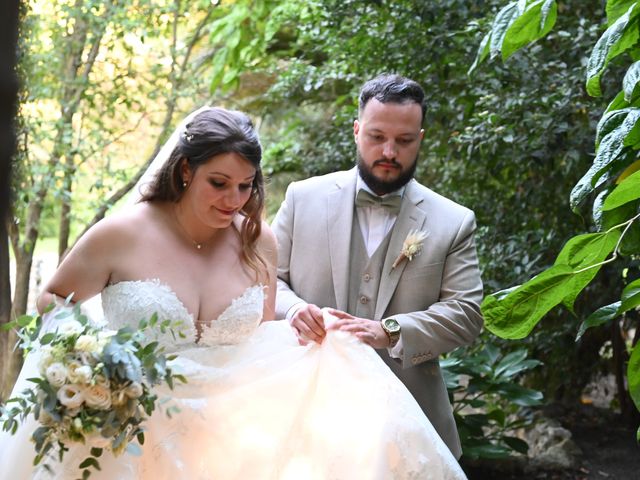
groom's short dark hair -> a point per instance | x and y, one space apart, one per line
392 88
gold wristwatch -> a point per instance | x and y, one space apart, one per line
392 328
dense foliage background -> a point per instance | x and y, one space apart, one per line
104 83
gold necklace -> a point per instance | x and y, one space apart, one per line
184 230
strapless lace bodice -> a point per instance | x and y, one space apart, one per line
126 303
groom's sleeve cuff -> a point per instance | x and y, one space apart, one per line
397 350
293 309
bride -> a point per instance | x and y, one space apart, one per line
257 405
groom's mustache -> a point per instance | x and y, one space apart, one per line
385 161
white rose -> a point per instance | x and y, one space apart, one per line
70 396
70 327
134 390
56 374
87 343
98 397
83 374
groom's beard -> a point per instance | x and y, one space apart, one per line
382 187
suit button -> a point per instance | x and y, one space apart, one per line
366 277
415 360
363 299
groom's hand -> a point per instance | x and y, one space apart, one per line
368 331
308 324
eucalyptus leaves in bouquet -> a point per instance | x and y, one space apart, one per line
95 386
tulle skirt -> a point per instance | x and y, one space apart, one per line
268 409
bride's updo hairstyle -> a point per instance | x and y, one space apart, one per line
212 132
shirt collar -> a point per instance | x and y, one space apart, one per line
360 184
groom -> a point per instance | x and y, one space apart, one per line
341 239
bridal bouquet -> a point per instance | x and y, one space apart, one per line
94 386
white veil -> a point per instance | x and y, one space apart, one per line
162 156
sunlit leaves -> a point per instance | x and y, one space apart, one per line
504 19
535 22
616 8
517 24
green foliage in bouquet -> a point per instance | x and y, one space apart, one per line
488 399
95 386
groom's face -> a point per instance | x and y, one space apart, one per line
388 137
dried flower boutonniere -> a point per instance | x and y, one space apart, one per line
411 247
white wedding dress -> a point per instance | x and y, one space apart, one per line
259 406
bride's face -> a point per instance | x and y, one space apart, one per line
219 188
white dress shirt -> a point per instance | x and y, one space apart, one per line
375 222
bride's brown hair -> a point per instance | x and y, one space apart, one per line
213 132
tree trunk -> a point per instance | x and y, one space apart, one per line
24 261
10 359
65 215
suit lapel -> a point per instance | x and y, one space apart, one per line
340 218
411 217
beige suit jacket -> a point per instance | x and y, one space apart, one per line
435 297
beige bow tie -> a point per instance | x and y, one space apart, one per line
390 202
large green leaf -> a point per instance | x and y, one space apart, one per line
501 24
633 375
587 249
616 8
580 252
515 315
610 149
627 191
535 22
618 38
599 317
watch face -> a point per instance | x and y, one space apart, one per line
392 325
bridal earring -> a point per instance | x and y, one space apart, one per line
184 184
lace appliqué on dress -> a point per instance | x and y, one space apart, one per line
238 322
126 303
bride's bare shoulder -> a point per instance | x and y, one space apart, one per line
124 226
